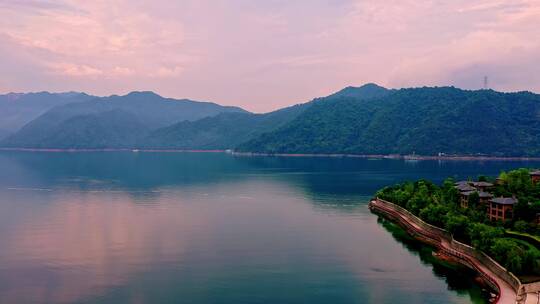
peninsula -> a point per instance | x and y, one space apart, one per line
489 225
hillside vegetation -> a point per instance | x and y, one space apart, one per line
109 122
18 109
440 206
223 131
356 120
424 121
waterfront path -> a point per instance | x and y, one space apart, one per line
507 294
532 298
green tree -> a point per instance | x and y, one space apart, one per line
532 261
458 226
450 195
482 178
434 214
500 248
474 200
482 235
523 211
508 253
519 181
514 262
521 226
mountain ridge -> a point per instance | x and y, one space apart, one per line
424 120
224 131
147 108
18 109
368 119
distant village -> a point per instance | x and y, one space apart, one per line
498 208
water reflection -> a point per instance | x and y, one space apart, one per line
458 278
81 244
201 228
143 171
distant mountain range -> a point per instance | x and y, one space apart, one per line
109 122
18 109
425 121
356 120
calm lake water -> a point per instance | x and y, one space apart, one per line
125 227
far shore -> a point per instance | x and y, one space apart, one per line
250 154
395 156
63 150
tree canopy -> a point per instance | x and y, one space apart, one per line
440 206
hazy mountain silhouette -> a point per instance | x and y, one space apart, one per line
357 120
146 110
17 109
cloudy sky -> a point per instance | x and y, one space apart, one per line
265 54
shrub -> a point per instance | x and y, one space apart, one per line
458 226
521 226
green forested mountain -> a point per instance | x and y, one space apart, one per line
362 120
115 128
224 131
423 120
148 111
367 91
17 109
228 130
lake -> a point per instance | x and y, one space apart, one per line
123 227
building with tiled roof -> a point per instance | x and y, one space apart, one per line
501 208
483 197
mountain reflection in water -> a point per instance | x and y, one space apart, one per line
205 228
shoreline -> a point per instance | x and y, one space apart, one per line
479 279
396 156
256 154
387 211
509 288
84 150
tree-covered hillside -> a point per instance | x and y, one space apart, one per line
512 243
115 128
57 127
228 130
424 121
356 120
17 109
223 131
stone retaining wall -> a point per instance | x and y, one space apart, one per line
436 236
531 287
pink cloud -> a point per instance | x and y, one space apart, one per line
122 71
265 55
167 71
69 69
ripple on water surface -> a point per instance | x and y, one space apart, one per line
207 228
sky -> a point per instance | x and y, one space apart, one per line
266 54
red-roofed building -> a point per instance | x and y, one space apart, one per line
535 176
501 208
